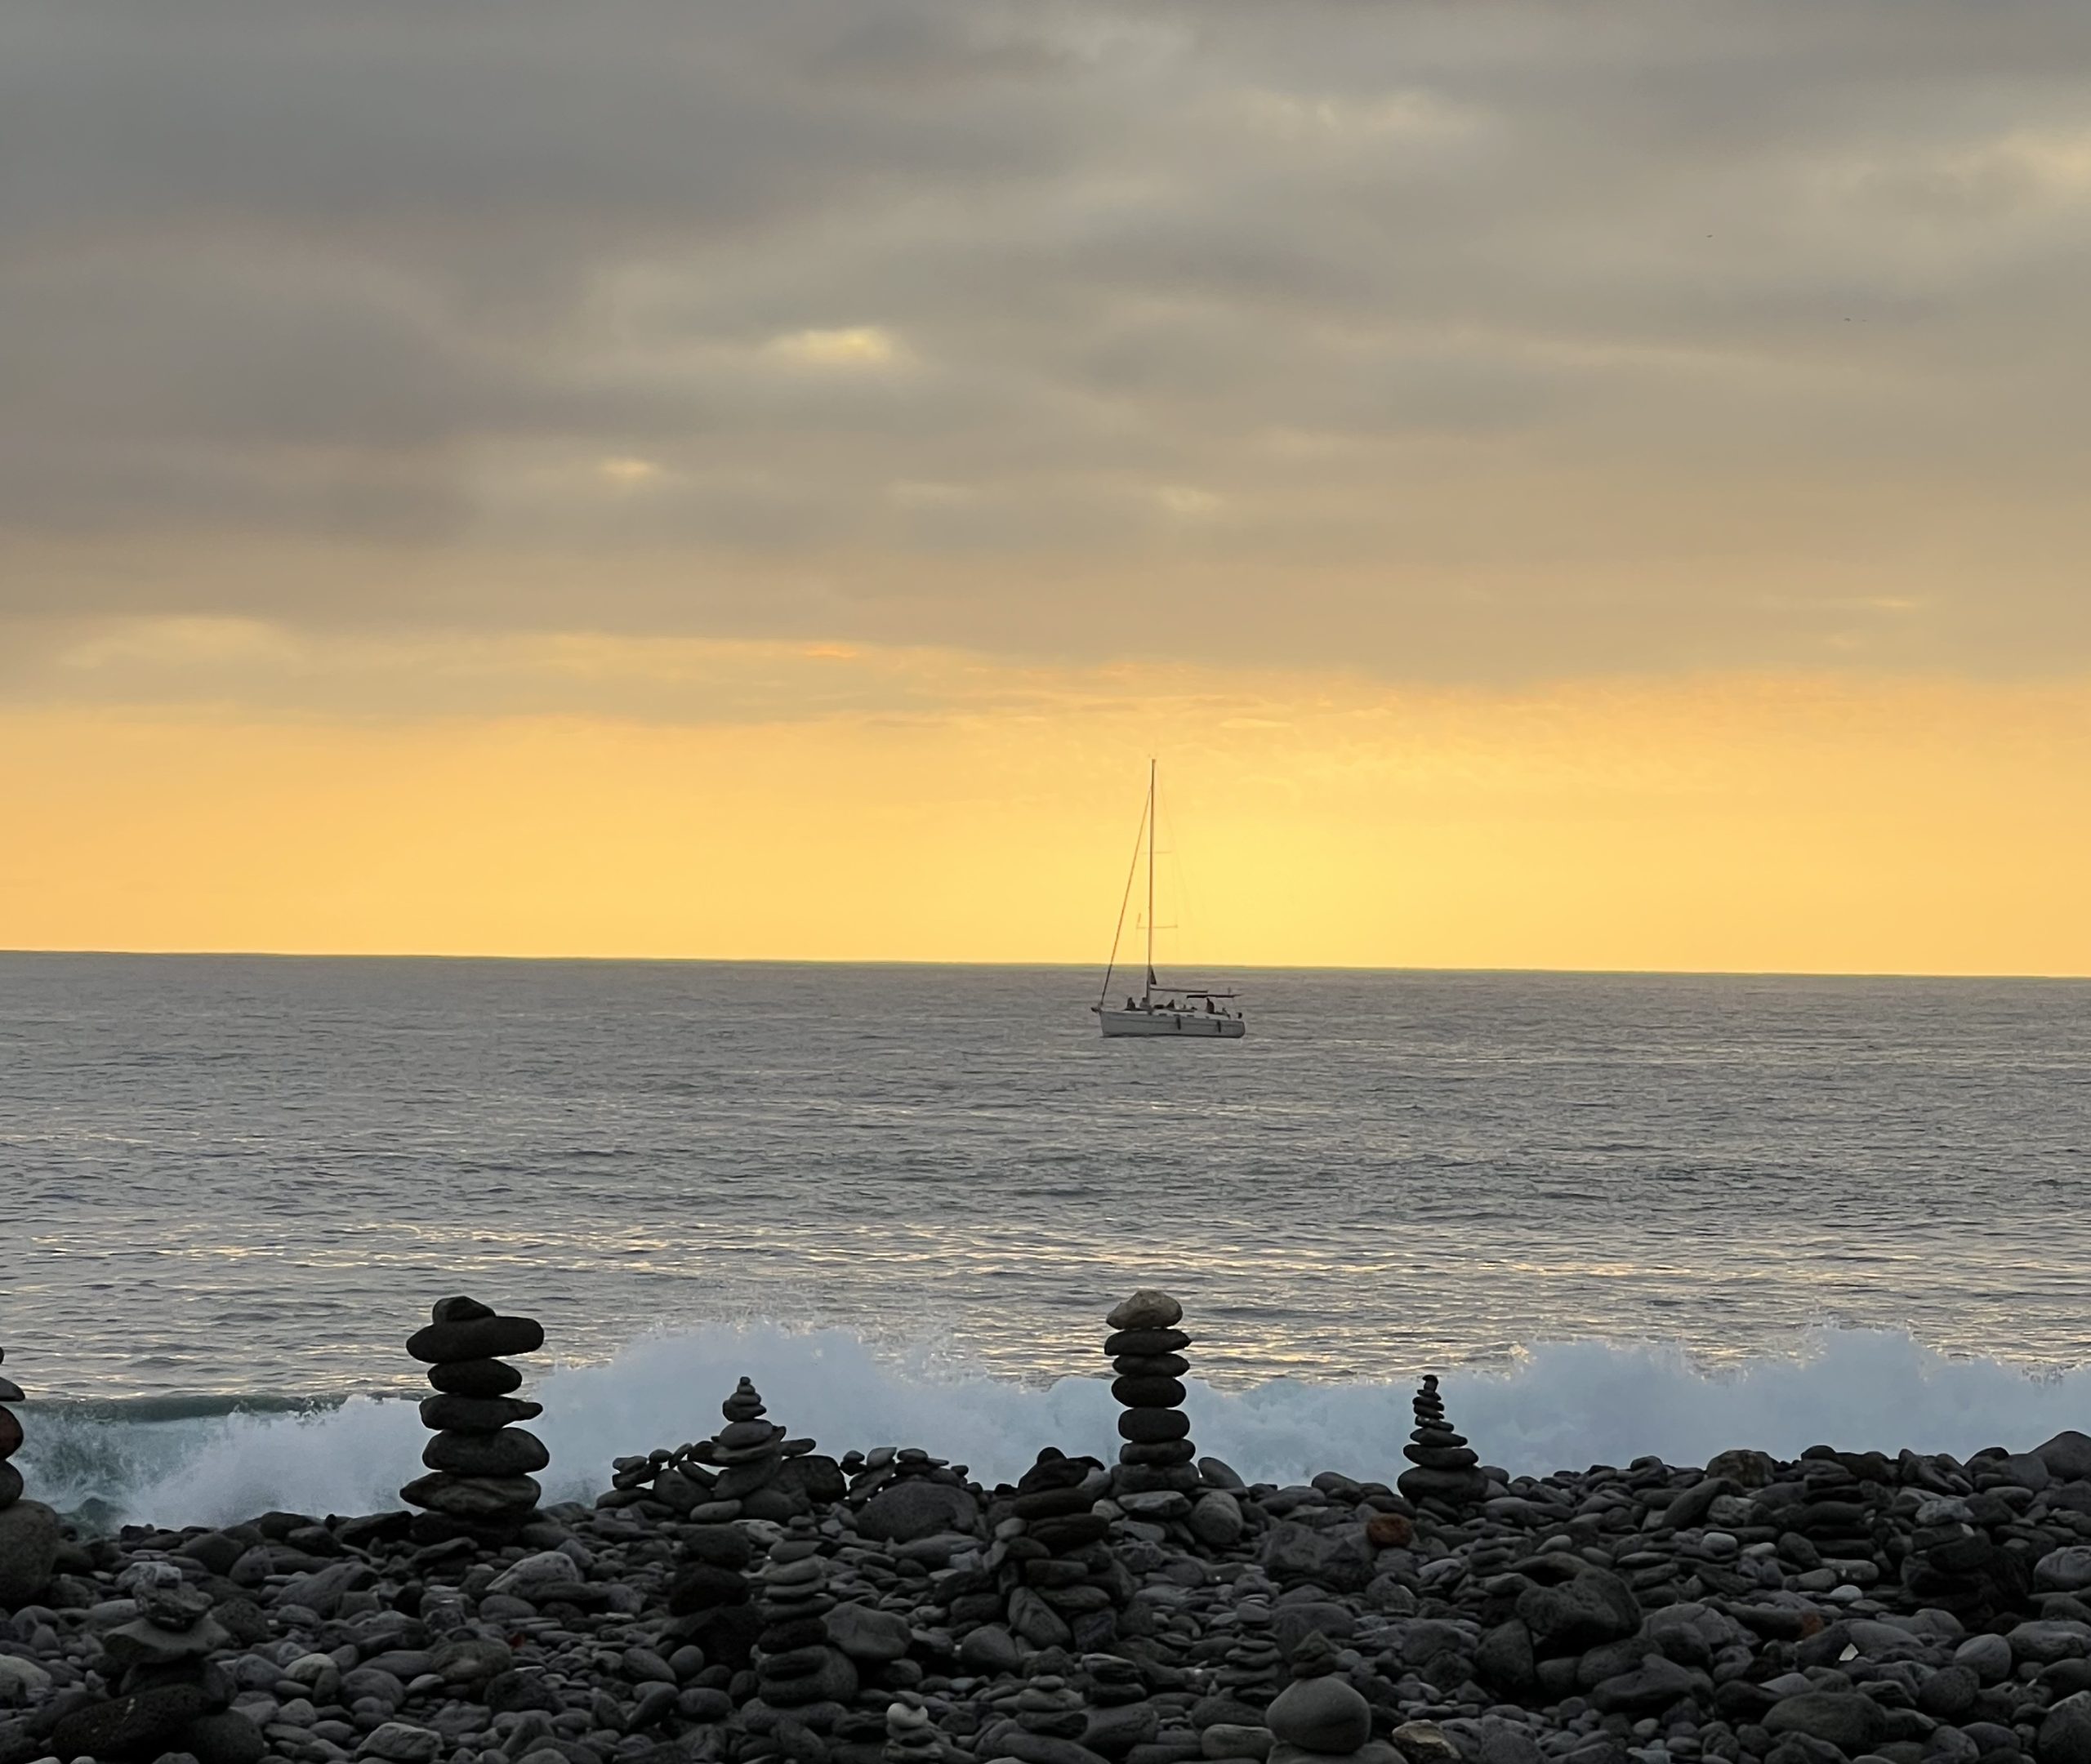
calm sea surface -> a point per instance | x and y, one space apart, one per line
236 1176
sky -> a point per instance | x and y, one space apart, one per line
1592 485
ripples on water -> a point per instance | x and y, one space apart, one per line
239 1175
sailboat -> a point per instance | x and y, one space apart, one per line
1160 1010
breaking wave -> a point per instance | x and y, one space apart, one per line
1555 1406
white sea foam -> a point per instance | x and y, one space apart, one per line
1560 1405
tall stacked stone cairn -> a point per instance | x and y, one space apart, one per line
1058 1576
479 1462
1146 1349
29 1530
803 1684
1447 1472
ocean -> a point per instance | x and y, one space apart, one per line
1620 1213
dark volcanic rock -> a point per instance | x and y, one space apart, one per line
485 1337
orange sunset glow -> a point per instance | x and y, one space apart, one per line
1592 492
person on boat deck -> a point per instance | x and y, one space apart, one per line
1209 1007
1129 1005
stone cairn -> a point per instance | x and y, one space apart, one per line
29 1530
1321 1716
1446 1473
801 1677
171 1696
911 1736
747 1470
1056 1570
1249 1673
10 1441
708 1601
1146 1349
479 1462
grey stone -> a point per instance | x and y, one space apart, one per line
322 1592
471 1661
142 1643
2068 1570
1148 1308
227 1737
2067 1456
401 1743
1424 1742
513 1451
536 1573
1595 1607
864 1634
1216 1519
485 1337
1322 1714
1987 1656
1497 1741
1341 1560
480 1498
1650 1688
30 1538
914 1507
1851 1722
115 1725
2048 1639
476 1415
2065 1735
1235 1739
1116 1731
989 1648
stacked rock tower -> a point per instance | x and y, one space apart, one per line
173 1696
1447 1471
29 1530
479 1462
1146 1348
10 1441
754 1462
799 1674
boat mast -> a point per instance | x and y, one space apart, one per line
1150 884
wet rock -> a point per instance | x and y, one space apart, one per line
1595 1607
30 1538
1323 1714
1844 1719
909 1510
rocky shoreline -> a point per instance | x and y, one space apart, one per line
748 1597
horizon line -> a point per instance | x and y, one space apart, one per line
908 961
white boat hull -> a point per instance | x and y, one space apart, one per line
1179 1025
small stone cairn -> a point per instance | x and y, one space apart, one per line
479 1462
170 1696
1446 1473
911 1736
29 1530
801 1676
1057 1570
902 1494
751 1455
1145 1346
1321 1717
1250 1672
747 1470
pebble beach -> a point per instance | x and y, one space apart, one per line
760 1593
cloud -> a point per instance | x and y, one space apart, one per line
1448 343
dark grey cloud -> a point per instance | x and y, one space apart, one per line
1440 340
